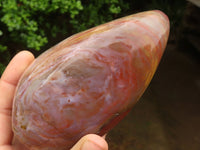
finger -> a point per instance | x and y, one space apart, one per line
91 142
8 84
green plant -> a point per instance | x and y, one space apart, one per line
97 12
24 18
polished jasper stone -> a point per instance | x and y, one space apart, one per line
88 82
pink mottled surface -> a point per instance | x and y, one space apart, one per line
88 82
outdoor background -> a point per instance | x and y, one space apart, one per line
167 117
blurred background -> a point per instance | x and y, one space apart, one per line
167 117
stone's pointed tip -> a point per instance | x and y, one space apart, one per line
161 12
164 16
159 22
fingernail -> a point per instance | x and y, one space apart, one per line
91 145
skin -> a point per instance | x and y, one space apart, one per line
8 83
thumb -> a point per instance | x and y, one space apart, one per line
91 142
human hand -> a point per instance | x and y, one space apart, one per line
8 83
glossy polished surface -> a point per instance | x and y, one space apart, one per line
88 82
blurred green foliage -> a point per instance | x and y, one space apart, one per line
26 20
31 24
